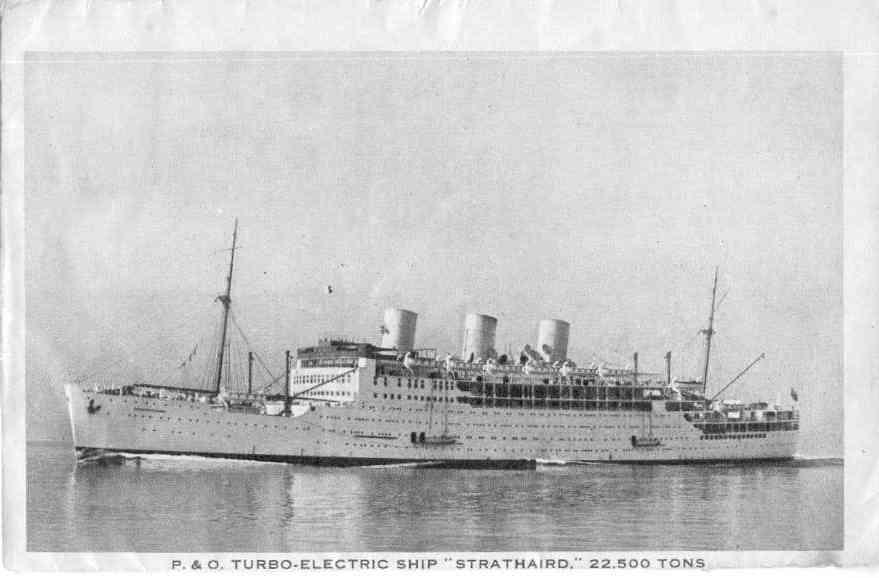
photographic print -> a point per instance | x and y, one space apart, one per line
425 302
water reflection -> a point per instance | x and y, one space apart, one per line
192 505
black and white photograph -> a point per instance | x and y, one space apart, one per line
305 304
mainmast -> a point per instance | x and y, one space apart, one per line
708 333
226 300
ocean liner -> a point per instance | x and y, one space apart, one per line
356 402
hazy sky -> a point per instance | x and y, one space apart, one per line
598 189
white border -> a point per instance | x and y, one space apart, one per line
462 25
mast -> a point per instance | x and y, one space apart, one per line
249 372
708 333
445 413
226 300
287 382
635 373
445 400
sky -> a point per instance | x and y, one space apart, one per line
599 189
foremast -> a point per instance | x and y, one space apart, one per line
226 300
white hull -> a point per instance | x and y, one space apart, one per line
375 431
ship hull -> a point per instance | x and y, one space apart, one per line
368 432
329 461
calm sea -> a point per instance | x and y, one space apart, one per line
183 504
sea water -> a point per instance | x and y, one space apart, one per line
165 504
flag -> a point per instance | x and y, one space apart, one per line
794 395
188 359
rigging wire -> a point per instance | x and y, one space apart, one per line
720 301
116 363
181 368
227 382
239 371
167 376
271 383
210 370
237 326
265 367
